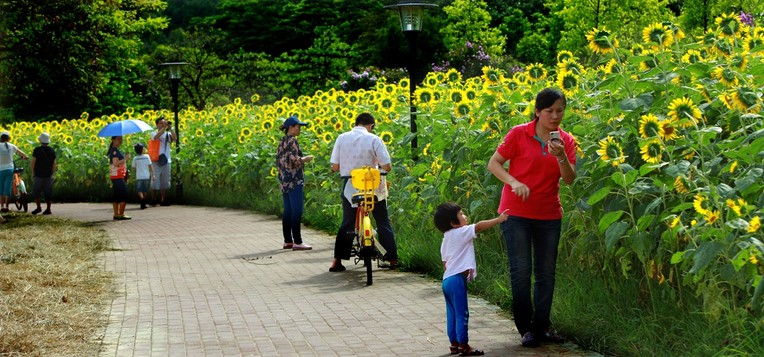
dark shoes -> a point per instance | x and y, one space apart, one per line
337 268
143 205
37 210
530 340
552 337
467 350
47 212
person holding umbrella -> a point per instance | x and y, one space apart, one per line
117 172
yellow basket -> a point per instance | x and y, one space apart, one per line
365 178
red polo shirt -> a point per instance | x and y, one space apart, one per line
531 163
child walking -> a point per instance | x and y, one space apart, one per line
458 255
142 167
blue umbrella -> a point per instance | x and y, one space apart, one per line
124 127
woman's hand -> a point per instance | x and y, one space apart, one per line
520 189
557 148
307 158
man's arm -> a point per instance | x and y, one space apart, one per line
335 167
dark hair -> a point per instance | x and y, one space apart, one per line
364 119
138 148
445 215
159 119
546 98
111 144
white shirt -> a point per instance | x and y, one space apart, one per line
6 155
458 252
141 164
165 144
357 148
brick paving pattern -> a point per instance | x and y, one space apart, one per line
200 281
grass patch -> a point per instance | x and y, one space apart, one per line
53 290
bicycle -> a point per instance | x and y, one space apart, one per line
365 180
19 194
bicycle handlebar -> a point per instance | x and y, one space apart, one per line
381 173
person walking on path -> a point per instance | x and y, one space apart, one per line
290 163
117 172
162 167
457 253
539 154
353 149
7 150
142 166
43 169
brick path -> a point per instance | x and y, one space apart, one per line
200 281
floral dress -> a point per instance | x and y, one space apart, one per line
289 164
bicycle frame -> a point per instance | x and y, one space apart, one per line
365 180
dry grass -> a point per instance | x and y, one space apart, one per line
53 289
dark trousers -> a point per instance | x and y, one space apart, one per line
531 249
290 220
344 241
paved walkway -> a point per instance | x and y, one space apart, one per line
199 281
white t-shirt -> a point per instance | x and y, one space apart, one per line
458 252
165 144
141 165
357 148
7 150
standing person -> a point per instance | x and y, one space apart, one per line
7 150
531 196
142 166
353 149
290 163
117 171
459 268
161 167
43 168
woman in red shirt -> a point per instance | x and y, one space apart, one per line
536 160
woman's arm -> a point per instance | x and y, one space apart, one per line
496 166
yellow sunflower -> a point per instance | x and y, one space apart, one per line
199 133
746 100
536 72
692 56
669 130
245 132
492 76
637 49
387 137
728 25
658 35
754 225
564 55
243 139
679 185
568 82
701 204
650 63
570 65
611 151
612 66
267 124
651 150
752 42
601 40
327 137
457 96
461 109
734 206
711 216
684 112
423 96
650 126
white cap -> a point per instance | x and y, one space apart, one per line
44 138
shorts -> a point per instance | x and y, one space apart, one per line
43 185
120 190
162 177
6 182
142 185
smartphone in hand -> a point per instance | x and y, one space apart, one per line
555 135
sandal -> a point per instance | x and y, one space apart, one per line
466 350
454 349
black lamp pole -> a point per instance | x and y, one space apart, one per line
174 69
410 14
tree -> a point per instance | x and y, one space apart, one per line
469 21
62 57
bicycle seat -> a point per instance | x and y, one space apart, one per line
18 169
365 178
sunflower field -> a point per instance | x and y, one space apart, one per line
670 143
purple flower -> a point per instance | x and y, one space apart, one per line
468 44
746 18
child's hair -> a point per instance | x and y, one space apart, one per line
139 148
445 215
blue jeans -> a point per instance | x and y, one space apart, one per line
290 220
457 311
531 249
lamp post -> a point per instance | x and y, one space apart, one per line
411 13
174 71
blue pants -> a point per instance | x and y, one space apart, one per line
6 182
531 249
457 311
290 220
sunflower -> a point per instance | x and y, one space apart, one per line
568 82
652 151
274 171
733 205
711 216
471 93
728 25
659 34
492 76
754 225
536 72
327 137
520 78
679 185
746 100
601 40
612 66
461 109
675 30
199 133
650 126
738 61
684 112
611 151
752 42
700 203
453 76
650 63
243 139
457 96
725 75
387 137
724 47
571 65
692 56
431 80
637 49
338 126
423 96
564 55
267 124
669 130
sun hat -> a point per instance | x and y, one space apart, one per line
5 133
292 121
44 138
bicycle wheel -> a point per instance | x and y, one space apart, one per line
367 252
24 202
17 201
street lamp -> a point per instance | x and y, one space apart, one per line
174 71
411 13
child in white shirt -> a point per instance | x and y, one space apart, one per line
142 167
458 255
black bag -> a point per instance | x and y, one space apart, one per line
162 160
